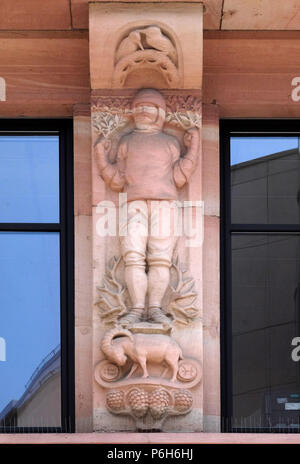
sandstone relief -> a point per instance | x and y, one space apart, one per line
149 407
145 291
178 303
145 49
141 348
114 115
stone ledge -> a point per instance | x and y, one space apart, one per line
149 438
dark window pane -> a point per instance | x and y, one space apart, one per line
29 178
265 319
265 180
30 392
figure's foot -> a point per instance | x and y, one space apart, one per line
135 315
156 315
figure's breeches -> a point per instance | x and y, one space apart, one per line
149 241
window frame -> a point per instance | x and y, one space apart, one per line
64 129
242 128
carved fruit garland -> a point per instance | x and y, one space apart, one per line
150 407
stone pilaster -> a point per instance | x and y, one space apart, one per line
156 46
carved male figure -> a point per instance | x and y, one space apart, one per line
150 170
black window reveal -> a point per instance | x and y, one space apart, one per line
36 276
260 233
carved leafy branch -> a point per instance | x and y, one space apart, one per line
107 122
181 306
182 303
111 295
186 120
183 103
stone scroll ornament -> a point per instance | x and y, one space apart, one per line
146 48
145 291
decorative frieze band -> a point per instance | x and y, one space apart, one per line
114 112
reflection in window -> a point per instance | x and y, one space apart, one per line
36 269
265 319
29 178
30 324
265 180
262 233
40 403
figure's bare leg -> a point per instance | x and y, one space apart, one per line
161 244
136 281
133 246
158 281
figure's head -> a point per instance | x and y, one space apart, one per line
149 110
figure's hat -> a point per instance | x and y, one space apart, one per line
150 96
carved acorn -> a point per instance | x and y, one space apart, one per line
158 402
183 400
139 401
115 400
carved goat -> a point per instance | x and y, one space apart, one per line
140 348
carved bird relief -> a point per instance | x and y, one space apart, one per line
147 47
129 45
157 40
144 39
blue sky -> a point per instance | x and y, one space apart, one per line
248 148
30 305
29 261
29 178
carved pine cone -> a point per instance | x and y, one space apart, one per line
115 400
183 400
158 402
139 402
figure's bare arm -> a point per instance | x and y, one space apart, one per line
184 167
111 173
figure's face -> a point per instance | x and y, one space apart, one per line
145 115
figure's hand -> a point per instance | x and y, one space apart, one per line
104 145
191 137
102 149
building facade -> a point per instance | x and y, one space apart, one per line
150 220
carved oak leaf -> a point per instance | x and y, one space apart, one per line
111 294
183 296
